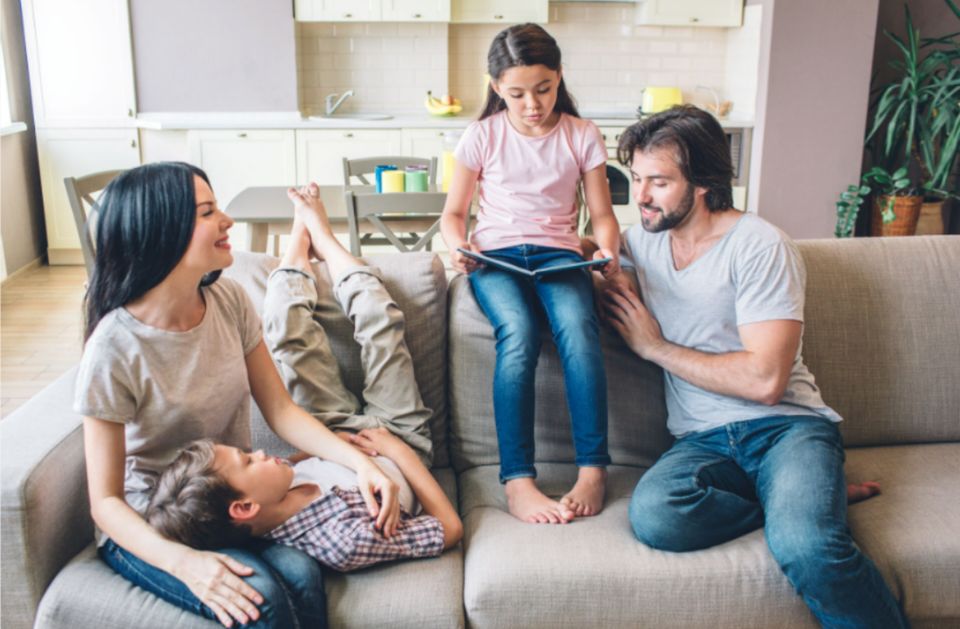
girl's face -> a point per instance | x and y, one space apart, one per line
209 248
530 93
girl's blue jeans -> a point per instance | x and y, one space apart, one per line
516 307
784 474
290 581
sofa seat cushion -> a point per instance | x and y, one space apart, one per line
414 594
593 572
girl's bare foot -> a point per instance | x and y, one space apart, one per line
586 497
861 491
527 503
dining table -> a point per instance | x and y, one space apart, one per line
268 212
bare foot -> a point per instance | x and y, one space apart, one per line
586 497
861 491
527 503
309 209
298 251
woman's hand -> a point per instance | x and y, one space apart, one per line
214 578
380 441
461 262
611 268
372 482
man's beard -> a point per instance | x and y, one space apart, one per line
669 220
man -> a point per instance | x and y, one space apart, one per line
722 314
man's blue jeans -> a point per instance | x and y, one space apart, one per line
516 305
786 475
290 581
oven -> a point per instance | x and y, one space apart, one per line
618 175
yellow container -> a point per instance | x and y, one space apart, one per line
657 99
393 180
447 164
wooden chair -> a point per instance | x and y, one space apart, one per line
83 203
415 214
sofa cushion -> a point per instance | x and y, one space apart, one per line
636 418
87 593
418 284
881 335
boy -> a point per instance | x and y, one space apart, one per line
216 495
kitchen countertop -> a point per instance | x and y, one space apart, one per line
402 120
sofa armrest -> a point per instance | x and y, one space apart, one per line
45 509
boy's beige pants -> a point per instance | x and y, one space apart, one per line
309 370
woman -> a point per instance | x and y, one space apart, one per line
172 355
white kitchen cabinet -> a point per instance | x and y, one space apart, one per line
337 10
690 12
499 11
80 63
415 11
320 152
236 159
74 153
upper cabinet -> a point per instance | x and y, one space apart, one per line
372 10
80 63
690 12
499 11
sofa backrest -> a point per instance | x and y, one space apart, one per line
882 335
417 283
636 418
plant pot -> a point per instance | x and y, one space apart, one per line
931 218
906 210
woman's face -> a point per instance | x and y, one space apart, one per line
209 248
530 93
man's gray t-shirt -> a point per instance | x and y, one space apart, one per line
170 388
753 273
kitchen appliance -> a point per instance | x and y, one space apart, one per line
656 99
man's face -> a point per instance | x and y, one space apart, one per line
257 477
662 194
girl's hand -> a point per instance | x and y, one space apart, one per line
462 263
612 267
372 481
214 578
381 441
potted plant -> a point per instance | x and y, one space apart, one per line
914 135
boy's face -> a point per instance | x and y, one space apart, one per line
262 479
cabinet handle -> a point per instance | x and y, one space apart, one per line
498 17
241 135
133 144
417 16
694 19
348 135
348 15
603 135
130 113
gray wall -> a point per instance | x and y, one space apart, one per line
21 206
214 55
813 95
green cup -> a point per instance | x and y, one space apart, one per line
415 180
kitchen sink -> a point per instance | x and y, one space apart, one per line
353 116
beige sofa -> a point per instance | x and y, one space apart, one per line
882 337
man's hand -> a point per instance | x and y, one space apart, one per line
372 482
631 319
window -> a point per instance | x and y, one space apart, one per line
7 125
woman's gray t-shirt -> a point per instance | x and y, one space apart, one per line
170 388
753 273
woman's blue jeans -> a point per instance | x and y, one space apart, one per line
516 305
290 581
786 475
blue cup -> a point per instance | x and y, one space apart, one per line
378 171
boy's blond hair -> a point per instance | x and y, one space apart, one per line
192 501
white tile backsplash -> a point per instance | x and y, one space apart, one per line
607 60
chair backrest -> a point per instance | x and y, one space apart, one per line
360 168
83 204
415 214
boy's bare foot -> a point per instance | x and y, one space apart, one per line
586 497
861 491
527 503
298 251
309 209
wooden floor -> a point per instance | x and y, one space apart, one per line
40 330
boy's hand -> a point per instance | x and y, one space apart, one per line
372 482
380 441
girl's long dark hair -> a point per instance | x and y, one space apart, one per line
144 225
524 45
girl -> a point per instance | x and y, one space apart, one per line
529 150
172 355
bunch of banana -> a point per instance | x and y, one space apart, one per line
446 106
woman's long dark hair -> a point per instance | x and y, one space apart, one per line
144 226
524 45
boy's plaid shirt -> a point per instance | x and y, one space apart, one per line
336 529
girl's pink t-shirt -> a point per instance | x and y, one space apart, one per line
528 185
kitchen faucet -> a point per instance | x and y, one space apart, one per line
333 106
